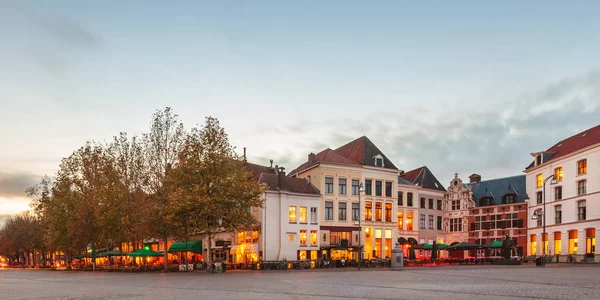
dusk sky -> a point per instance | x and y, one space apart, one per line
459 86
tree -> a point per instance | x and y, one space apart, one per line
20 237
212 188
161 150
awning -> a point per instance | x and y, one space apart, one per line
464 246
412 241
402 241
424 246
192 246
245 247
111 253
144 252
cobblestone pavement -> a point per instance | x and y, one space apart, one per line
461 282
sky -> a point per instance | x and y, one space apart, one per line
459 86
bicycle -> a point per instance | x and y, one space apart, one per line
282 265
267 266
214 268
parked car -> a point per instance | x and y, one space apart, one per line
16 264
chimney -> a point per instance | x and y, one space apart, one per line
282 171
245 154
280 177
311 159
475 178
276 169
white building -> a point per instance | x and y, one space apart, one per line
457 202
572 204
289 220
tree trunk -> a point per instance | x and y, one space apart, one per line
166 254
208 253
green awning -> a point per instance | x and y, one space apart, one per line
424 246
441 246
192 246
493 244
144 252
111 253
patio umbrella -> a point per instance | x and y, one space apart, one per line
441 246
463 246
423 246
412 255
144 252
433 251
493 244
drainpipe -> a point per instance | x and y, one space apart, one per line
279 215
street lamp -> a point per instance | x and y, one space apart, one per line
361 189
537 214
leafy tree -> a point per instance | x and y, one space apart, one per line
161 149
213 189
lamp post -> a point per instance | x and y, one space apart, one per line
361 189
543 213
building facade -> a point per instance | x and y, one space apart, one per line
571 214
428 194
457 203
500 210
339 174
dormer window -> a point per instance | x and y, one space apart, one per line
378 161
538 160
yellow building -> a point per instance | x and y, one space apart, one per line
339 175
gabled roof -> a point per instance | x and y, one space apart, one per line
279 182
497 188
572 144
362 151
326 155
358 152
424 178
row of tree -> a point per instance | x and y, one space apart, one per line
162 184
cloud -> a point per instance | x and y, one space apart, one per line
14 184
493 140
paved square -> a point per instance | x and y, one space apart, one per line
461 282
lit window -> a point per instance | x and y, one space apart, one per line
388 212
378 212
303 237
533 243
573 242
557 243
582 167
558 174
303 214
313 237
369 211
539 180
409 221
292 214
400 220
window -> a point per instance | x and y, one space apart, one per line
378 186
369 211
430 221
431 204
439 222
455 225
409 198
439 204
400 220
303 214
328 210
455 204
388 189
558 174
388 212
582 167
581 187
533 243
313 237
508 199
342 211
581 210
355 211
422 221
539 180
558 193
538 197
368 187
379 162
378 211
302 237
329 185
557 243
400 200
291 237
313 215
342 186
573 242
409 221
422 203
557 214
590 241
355 187
292 214
336 237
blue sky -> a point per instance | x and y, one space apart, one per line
465 86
